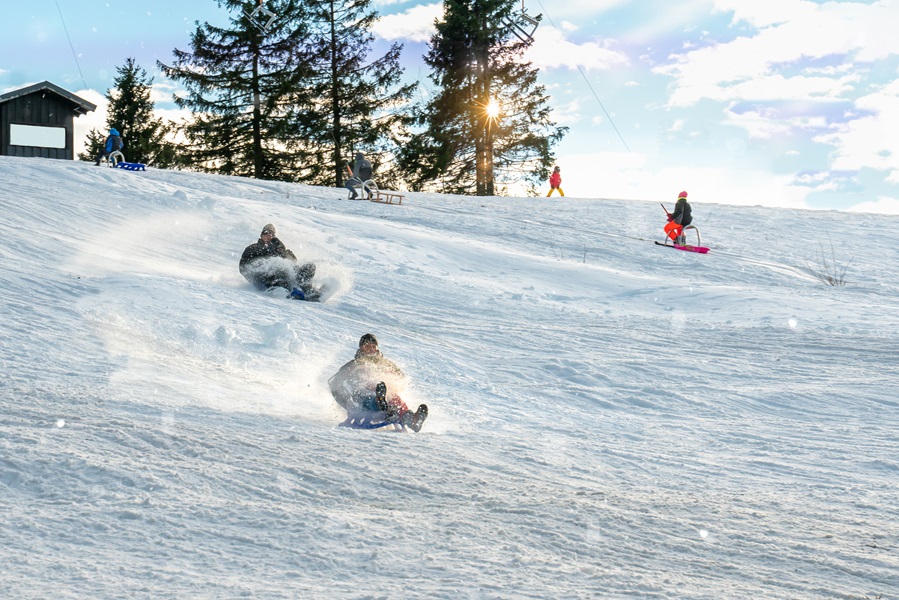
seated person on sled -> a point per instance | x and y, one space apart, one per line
112 145
268 263
361 388
679 219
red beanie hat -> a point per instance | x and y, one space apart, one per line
682 195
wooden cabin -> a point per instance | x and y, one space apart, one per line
38 120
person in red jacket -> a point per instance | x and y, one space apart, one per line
555 182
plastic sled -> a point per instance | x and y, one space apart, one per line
370 420
131 166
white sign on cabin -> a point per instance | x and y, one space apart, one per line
36 136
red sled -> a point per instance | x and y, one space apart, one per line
686 247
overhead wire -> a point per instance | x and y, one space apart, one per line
587 81
66 29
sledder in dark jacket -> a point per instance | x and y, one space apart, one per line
268 263
679 219
112 144
359 174
360 386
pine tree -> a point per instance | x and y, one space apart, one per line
488 125
130 111
241 83
95 141
350 101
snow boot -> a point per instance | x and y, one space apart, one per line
381 397
415 420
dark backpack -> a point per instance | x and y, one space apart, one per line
114 143
364 169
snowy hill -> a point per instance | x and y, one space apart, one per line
609 418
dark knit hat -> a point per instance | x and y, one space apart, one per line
268 229
368 337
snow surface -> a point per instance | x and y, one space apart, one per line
609 418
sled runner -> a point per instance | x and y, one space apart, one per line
387 197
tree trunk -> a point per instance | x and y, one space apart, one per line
257 119
336 129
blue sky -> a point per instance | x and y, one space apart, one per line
784 103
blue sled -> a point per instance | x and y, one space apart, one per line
131 166
370 420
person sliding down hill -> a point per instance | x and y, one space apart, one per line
268 263
366 384
679 219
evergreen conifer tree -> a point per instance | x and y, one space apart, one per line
488 124
241 84
130 111
354 100
93 145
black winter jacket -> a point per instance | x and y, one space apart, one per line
262 250
682 214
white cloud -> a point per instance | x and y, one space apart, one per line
659 19
552 51
568 114
92 120
766 88
764 13
570 10
870 141
807 54
414 25
883 206
760 126
382 3
792 34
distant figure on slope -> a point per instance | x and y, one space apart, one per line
268 263
680 218
359 174
113 143
555 182
361 386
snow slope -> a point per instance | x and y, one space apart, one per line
609 418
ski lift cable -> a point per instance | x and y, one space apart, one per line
587 81
66 29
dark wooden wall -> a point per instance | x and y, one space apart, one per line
39 108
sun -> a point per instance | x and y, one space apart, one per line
493 109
